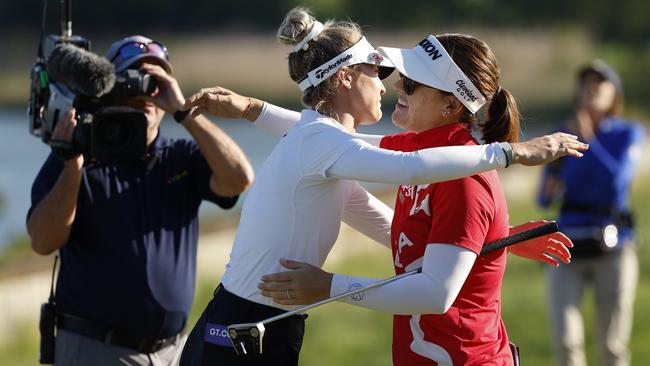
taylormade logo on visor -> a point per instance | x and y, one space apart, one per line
326 70
430 49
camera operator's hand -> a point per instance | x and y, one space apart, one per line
223 103
168 96
64 132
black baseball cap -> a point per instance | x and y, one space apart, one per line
604 70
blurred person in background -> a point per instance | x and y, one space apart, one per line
127 231
592 194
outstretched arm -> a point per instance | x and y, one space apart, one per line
368 215
224 103
444 270
276 121
361 161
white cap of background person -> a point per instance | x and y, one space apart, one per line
429 63
147 49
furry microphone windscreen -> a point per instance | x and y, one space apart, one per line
81 70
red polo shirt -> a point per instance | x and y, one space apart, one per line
467 212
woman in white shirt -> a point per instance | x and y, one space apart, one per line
309 184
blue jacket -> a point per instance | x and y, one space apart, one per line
597 186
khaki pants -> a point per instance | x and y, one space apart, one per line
73 349
614 277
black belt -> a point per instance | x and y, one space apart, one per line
107 336
621 218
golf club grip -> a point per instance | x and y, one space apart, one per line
536 232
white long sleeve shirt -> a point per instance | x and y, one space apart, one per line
308 184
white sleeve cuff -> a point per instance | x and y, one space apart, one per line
276 120
496 151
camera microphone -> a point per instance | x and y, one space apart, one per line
81 70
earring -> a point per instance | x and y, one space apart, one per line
445 113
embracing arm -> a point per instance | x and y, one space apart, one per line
445 268
224 103
366 163
368 215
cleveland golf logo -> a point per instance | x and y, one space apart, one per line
326 70
465 92
430 49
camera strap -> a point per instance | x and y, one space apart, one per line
63 150
50 300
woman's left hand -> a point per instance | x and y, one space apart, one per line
544 149
304 284
543 247
223 103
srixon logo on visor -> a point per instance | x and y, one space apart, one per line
326 70
430 49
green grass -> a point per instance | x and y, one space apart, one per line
22 349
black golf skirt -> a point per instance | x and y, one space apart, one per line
209 344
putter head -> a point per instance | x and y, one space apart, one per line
247 337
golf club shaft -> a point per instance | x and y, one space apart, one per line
345 294
538 231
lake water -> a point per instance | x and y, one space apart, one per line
22 154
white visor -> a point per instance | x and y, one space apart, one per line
361 53
430 64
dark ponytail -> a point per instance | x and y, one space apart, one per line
502 122
478 62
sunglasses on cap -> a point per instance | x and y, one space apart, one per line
132 49
409 85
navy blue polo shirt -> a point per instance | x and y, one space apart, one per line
130 262
599 182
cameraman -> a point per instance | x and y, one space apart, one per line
127 230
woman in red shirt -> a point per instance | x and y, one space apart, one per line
450 314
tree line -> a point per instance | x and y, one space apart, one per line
608 20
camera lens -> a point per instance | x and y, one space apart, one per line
119 133
115 134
